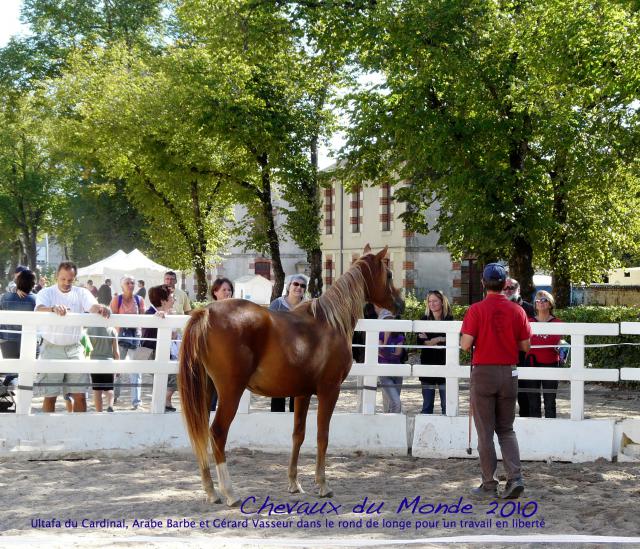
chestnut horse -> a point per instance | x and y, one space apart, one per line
238 345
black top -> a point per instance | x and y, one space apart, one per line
430 355
150 333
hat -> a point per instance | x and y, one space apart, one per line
494 271
21 268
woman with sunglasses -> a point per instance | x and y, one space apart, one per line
437 308
293 297
546 356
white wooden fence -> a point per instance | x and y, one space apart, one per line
272 425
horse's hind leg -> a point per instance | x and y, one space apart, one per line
227 408
299 425
326 404
207 483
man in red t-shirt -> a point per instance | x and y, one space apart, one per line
497 329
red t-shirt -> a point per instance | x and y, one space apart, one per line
546 355
497 325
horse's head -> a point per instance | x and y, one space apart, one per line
379 288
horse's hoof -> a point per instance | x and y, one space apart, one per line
326 493
295 488
233 502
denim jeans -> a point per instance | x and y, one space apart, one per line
134 379
391 387
429 397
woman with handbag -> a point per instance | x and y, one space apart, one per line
545 356
129 338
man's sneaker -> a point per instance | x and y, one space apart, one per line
169 409
109 409
513 489
484 492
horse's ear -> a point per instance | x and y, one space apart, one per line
382 253
367 249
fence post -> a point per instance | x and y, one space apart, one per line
452 383
577 386
163 350
368 402
28 346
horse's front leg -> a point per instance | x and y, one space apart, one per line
326 404
300 409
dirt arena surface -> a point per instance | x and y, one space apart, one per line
44 503
71 502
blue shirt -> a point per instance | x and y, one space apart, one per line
13 302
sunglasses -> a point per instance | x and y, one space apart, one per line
510 288
303 286
542 300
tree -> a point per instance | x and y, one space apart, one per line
126 113
501 112
275 115
95 218
29 174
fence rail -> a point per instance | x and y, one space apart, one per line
577 374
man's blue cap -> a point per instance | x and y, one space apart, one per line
494 271
21 268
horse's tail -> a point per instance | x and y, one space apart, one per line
194 384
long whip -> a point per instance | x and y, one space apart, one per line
470 406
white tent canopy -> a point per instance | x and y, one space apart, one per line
255 288
119 264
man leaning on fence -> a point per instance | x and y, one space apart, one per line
497 329
63 342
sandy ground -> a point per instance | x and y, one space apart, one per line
597 498
572 499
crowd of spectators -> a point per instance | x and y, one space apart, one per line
99 343
74 343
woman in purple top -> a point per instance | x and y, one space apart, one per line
390 353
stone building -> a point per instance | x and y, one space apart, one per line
418 262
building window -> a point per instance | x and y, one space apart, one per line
385 207
328 272
328 210
263 268
356 211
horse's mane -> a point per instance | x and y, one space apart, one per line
341 305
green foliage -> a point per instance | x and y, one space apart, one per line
122 114
519 118
413 307
618 356
31 180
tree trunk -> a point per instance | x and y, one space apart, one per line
272 234
560 272
200 257
314 255
521 266
521 260
201 278
32 250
